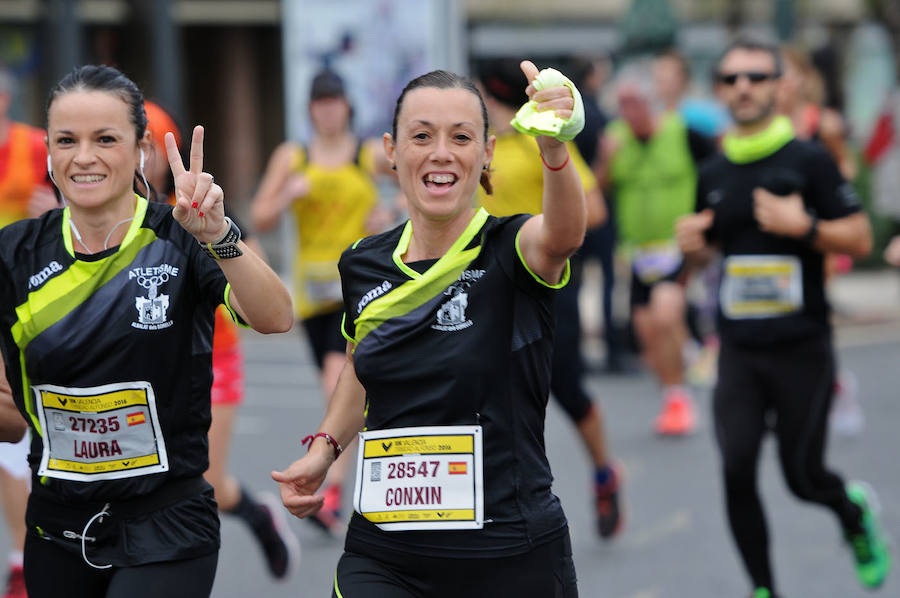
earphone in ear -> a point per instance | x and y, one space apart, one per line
50 170
141 167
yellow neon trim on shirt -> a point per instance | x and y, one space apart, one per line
562 281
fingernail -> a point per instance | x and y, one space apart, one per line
194 205
201 214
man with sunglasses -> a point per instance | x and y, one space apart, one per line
773 205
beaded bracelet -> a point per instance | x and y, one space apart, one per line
334 443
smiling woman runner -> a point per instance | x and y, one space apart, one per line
106 323
449 321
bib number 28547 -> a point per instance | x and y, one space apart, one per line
423 478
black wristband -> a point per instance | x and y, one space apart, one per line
226 247
810 236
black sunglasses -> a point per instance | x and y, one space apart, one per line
752 76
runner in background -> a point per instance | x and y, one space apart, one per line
707 117
801 97
650 160
517 182
328 187
589 75
261 511
24 193
774 205
672 77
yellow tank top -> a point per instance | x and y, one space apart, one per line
518 177
329 218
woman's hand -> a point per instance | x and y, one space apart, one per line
199 202
558 98
299 482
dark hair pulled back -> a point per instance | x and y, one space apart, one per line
99 77
441 79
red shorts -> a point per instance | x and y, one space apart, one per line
228 376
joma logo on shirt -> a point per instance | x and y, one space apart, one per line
42 276
372 295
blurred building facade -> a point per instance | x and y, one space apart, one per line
221 62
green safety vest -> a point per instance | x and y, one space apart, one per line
655 181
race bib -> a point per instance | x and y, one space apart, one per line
322 282
761 286
654 261
425 478
101 433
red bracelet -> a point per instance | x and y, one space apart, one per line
555 168
334 443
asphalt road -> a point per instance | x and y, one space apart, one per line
675 544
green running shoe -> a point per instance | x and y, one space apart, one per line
762 593
870 548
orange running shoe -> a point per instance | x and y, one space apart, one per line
677 417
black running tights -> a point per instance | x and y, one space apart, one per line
52 572
790 387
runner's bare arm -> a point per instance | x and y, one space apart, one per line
12 426
851 234
787 216
279 186
343 420
547 240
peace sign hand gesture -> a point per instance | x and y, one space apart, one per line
199 202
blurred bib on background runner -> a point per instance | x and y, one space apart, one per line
322 281
423 478
100 433
761 286
654 261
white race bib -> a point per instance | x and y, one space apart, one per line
424 478
761 286
654 261
100 433
322 282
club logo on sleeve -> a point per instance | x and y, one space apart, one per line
152 309
451 316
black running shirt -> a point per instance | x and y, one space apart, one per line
727 188
471 345
117 348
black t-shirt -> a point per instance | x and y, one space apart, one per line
473 348
773 287
118 350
